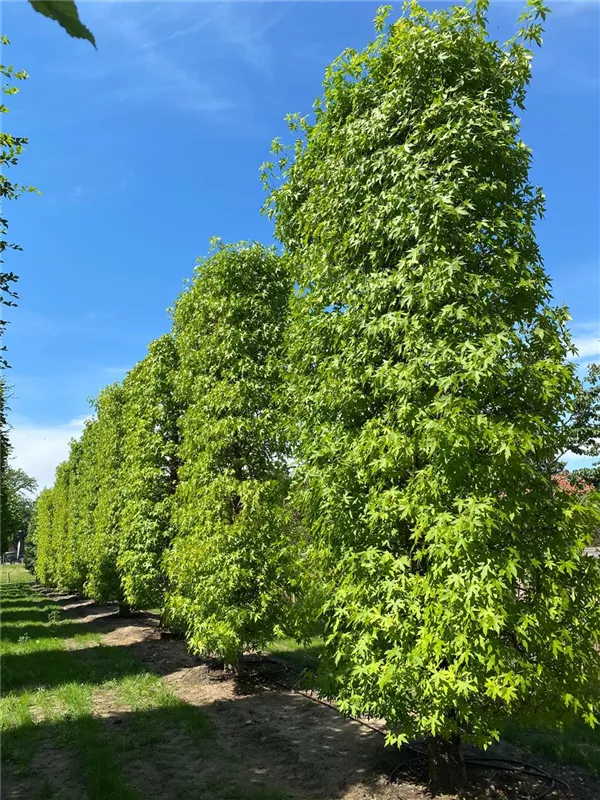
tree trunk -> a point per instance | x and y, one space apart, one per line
236 665
124 607
446 768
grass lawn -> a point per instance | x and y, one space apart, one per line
10 573
304 656
83 719
578 744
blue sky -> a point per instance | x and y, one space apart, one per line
150 145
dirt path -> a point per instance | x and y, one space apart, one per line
267 734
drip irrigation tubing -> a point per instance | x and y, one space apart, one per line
495 763
490 762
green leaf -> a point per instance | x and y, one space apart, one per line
66 14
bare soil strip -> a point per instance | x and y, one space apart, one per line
268 735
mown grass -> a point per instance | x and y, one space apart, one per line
56 673
56 677
305 656
576 744
14 572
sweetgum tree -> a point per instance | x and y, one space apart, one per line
5 449
429 376
60 526
40 534
228 567
103 581
148 474
82 500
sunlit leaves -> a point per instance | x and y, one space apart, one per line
11 148
228 567
430 385
149 473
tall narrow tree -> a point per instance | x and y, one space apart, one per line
40 534
428 373
103 575
228 567
148 475
4 456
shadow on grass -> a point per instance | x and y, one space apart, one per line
51 668
103 749
271 745
305 656
179 752
32 614
64 630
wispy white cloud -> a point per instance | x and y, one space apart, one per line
39 449
587 346
242 28
586 338
154 68
146 73
567 9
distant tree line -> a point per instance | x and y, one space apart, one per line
358 434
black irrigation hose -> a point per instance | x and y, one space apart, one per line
492 762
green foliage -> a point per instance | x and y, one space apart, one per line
5 449
41 536
583 424
75 528
17 504
66 14
11 147
148 474
102 575
60 525
229 566
429 380
587 475
420 389
583 436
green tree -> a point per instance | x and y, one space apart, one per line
103 581
11 147
17 496
60 526
41 536
428 375
148 475
83 499
229 565
30 554
4 456
583 426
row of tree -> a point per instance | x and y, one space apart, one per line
362 433
175 495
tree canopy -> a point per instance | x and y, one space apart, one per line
228 564
361 432
428 368
149 473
